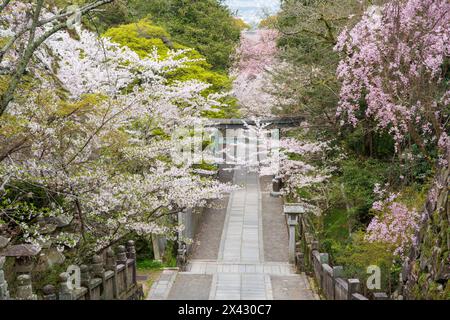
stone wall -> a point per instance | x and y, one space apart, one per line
427 269
110 276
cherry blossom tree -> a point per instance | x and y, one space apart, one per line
93 138
254 60
395 71
394 223
27 26
301 164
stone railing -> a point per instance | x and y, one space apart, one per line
110 276
330 279
305 248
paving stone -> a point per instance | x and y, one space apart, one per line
191 287
244 265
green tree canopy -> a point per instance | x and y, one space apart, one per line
206 25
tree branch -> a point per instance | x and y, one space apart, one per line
32 46
4 4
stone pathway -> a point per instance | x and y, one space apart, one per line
242 234
240 271
160 289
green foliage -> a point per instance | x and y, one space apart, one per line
358 254
170 256
308 32
51 276
148 264
336 224
242 25
205 166
143 37
364 141
358 178
205 25
269 23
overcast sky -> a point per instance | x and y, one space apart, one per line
252 11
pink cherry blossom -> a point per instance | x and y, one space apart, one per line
392 60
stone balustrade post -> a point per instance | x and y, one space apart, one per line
122 259
276 187
98 270
131 254
85 276
4 293
315 245
49 292
181 256
97 266
354 286
121 255
111 265
65 291
131 250
300 261
24 288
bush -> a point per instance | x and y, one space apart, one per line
358 254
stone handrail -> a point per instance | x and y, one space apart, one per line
330 279
110 276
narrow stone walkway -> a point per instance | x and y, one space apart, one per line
240 271
241 238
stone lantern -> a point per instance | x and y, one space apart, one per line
292 212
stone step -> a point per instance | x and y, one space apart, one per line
213 267
161 288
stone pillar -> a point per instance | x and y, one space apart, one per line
49 292
131 250
65 292
24 288
181 256
97 266
353 287
156 248
121 255
111 265
131 254
85 276
222 146
122 259
276 187
315 245
300 261
292 222
4 293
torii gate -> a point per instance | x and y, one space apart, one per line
229 132
283 122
